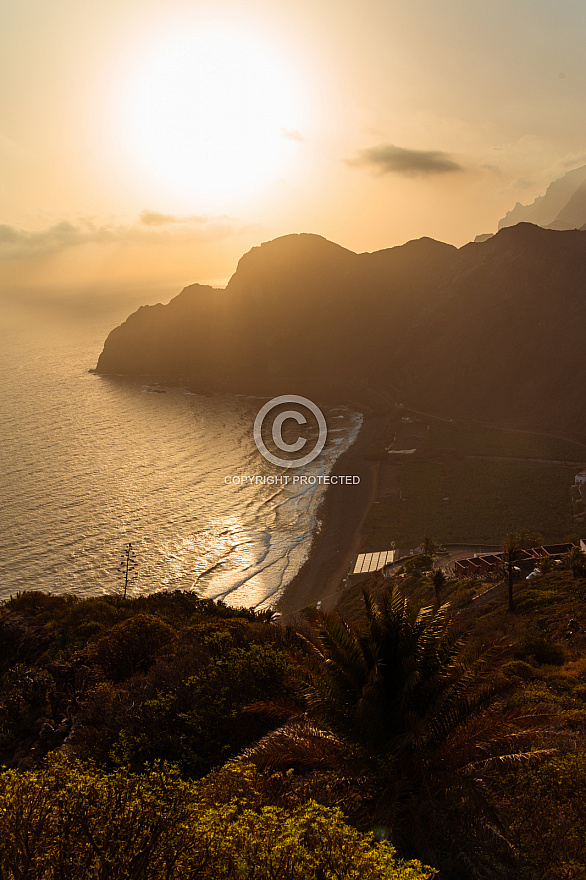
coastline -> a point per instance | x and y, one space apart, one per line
341 514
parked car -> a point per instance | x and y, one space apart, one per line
533 574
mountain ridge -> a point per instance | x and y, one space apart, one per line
562 206
491 331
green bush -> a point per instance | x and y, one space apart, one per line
537 599
545 805
418 564
69 821
463 596
133 645
88 629
544 652
191 707
519 669
25 701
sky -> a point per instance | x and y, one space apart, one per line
148 144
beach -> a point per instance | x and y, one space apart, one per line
341 516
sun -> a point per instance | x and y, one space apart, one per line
211 115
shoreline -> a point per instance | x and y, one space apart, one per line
341 515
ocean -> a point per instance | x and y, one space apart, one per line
91 463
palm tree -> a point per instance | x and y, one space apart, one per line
421 719
511 553
577 561
401 681
513 545
429 545
439 582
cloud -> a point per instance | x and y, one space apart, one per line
389 159
575 162
155 218
293 135
489 166
20 242
151 226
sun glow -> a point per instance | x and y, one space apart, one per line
212 115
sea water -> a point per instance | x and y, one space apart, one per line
92 463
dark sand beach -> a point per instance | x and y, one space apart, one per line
341 515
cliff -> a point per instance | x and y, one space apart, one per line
493 330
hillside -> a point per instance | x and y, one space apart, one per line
491 331
190 739
295 306
508 347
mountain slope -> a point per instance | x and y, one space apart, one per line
492 331
296 306
510 344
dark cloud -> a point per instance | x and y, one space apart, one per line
389 159
151 225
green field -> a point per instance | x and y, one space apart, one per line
434 437
477 440
485 500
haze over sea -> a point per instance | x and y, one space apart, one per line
90 463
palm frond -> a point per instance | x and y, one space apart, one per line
299 744
511 760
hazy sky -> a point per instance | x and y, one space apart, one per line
152 142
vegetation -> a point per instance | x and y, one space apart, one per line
422 720
577 561
433 436
128 682
127 567
439 582
70 821
470 439
474 501
168 736
469 483
513 545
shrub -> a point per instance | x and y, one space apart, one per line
464 597
25 701
417 564
537 599
546 565
192 707
68 821
544 652
518 668
133 645
546 808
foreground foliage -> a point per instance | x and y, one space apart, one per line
425 721
124 683
548 814
395 724
71 822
